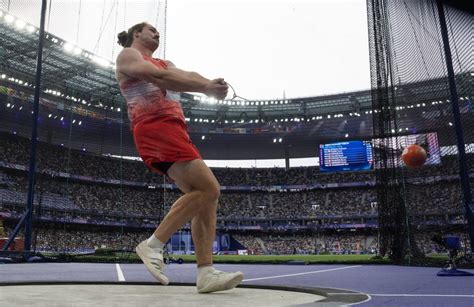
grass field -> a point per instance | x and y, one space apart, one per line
256 259
286 258
130 257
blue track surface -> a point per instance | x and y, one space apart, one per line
386 284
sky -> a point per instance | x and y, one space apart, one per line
266 49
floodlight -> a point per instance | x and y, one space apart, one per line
68 47
9 18
77 50
30 28
20 24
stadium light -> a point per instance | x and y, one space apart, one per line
4 76
450 123
280 140
203 137
30 28
77 51
20 24
9 19
346 135
274 140
68 47
80 123
101 61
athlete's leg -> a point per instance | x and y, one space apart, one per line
198 204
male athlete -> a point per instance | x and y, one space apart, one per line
159 128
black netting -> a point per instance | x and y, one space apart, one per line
412 105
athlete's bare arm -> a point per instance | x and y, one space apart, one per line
130 64
190 74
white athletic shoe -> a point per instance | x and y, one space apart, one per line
153 260
218 281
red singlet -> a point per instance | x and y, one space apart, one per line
157 121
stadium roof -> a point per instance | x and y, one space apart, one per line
81 77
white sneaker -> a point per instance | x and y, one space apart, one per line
153 260
218 281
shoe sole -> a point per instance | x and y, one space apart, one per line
232 283
160 277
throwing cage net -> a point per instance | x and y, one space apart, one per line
412 96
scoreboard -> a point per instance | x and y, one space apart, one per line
346 156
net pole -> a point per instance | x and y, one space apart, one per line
34 133
463 168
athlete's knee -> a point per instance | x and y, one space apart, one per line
211 195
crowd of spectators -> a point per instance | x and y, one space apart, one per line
69 199
15 149
123 200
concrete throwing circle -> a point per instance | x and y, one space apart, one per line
141 294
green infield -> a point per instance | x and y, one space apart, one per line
111 256
130 257
308 259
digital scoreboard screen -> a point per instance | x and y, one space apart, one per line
346 156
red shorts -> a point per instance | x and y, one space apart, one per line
163 139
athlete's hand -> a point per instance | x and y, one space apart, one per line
217 88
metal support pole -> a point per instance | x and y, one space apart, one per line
463 168
34 133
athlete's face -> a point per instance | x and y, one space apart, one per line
149 37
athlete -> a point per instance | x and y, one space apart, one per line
150 87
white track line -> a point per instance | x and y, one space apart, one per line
304 273
119 272
425 295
